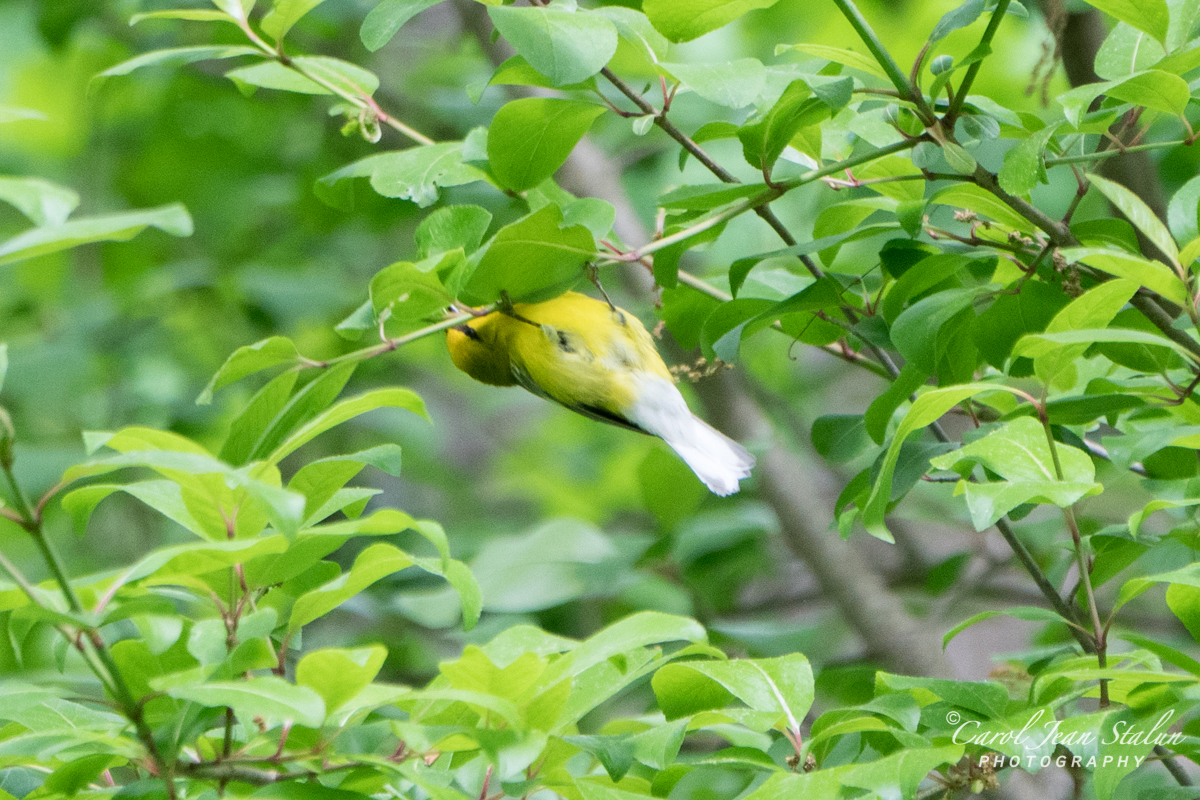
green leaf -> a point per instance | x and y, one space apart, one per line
615 753
956 18
249 359
1094 309
179 55
840 437
973 198
1183 211
385 19
1154 275
408 292
1151 16
415 174
1024 165
1139 214
838 55
567 47
782 686
43 202
925 409
733 84
533 259
529 139
173 219
1038 344
274 75
924 331
1126 51
192 14
339 674
3 363
1155 89
284 14
451 227
958 158
684 20
163 496
345 411
254 437
1012 316
273 699
1019 452
1027 613
764 140
376 562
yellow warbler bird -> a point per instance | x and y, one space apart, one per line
599 361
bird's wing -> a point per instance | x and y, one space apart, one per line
591 412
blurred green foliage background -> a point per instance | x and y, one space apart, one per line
565 522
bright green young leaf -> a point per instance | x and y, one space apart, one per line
532 259
1154 89
384 20
837 55
376 562
1020 454
734 84
284 14
179 55
339 674
273 699
615 753
173 219
308 75
973 198
684 20
925 409
345 411
1138 213
1150 16
567 47
782 686
1154 275
1126 51
43 202
530 138
192 14
415 174
1094 309
249 359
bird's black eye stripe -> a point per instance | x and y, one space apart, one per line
564 343
470 332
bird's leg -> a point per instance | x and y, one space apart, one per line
505 306
593 275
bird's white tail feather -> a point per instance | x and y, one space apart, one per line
718 461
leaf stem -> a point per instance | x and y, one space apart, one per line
884 59
964 87
1085 574
388 345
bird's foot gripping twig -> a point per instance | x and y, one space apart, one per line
505 306
593 275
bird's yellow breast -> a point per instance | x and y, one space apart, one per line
573 349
